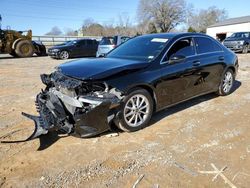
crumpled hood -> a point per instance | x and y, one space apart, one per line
99 68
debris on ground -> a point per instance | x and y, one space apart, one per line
206 129
217 173
138 181
109 135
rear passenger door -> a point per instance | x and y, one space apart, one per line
211 60
80 48
91 48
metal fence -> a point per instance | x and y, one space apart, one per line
53 40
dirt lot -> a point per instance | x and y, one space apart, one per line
182 141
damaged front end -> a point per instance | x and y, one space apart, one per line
76 107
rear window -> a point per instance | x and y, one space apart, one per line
206 45
108 41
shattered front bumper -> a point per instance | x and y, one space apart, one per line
81 116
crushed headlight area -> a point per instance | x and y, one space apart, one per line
71 106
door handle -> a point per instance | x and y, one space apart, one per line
221 58
196 63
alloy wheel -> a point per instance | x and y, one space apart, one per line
227 82
64 55
136 110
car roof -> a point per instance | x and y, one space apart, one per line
172 35
84 39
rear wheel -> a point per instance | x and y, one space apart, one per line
136 111
64 55
24 48
245 49
227 82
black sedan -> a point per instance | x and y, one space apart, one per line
75 48
140 77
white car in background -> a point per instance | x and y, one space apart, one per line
109 43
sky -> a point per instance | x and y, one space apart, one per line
42 15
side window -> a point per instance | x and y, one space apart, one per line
124 39
90 42
206 45
184 47
82 42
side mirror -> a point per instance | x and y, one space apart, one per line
176 59
77 44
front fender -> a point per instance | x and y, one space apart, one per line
15 43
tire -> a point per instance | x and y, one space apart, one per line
64 55
13 53
128 111
24 48
227 83
245 49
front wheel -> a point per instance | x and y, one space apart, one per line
227 82
24 48
136 111
64 55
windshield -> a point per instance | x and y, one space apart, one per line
71 42
64 43
240 35
143 48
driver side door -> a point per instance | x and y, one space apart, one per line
180 72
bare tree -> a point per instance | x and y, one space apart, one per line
54 31
87 22
206 17
124 26
164 14
124 20
93 29
70 32
151 28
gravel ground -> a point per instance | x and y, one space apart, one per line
174 151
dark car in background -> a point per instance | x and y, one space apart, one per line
238 42
75 48
109 43
142 76
40 49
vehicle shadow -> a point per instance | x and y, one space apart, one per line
182 106
10 57
49 139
